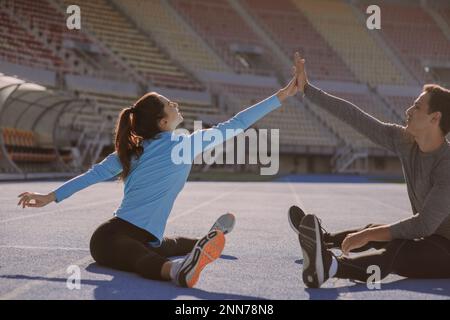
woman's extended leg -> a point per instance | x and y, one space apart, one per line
180 246
177 246
121 245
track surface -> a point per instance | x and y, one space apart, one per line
261 260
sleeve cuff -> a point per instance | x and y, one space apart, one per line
58 196
273 100
308 88
396 230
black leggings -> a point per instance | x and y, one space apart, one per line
121 245
425 258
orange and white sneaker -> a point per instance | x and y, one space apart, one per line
205 251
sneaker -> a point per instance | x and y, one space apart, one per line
205 251
295 216
225 223
316 258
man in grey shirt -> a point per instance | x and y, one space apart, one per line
418 246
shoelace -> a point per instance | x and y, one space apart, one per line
324 231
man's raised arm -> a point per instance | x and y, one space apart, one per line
381 133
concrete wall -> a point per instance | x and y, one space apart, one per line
31 74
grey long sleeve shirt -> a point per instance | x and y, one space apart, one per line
427 175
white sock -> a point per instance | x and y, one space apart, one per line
176 264
333 267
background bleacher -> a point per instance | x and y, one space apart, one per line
216 57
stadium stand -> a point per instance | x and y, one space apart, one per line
342 130
225 31
39 127
22 146
445 12
293 32
415 37
17 46
158 19
400 103
368 104
45 24
110 106
298 127
348 37
206 56
136 48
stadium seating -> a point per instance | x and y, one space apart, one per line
221 26
292 32
445 13
400 104
45 26
416 38
111 105
368 104
17 46
338 24
344 131
49 25
135 48
297 126
163 41
22 147
154 17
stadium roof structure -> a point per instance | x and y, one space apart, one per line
57 117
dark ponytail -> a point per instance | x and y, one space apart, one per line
135 124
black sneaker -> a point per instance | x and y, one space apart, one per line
295 216
316 258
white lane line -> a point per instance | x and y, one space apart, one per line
30 284
43 248
384 204
296 197
375 199
203 204
33 283
58 210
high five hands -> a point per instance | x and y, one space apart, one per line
298 81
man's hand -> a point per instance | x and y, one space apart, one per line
302 78
359 239
298 82
354 241
31 199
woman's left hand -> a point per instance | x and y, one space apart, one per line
32 199
291 89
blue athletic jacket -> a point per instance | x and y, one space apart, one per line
155 180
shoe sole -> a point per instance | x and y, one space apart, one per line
219 224
290 220
311 243
206 250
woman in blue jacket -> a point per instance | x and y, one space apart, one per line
144 140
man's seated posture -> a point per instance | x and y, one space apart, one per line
416 247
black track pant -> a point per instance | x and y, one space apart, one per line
424 258
121 245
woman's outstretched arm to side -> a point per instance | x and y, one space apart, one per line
107 169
